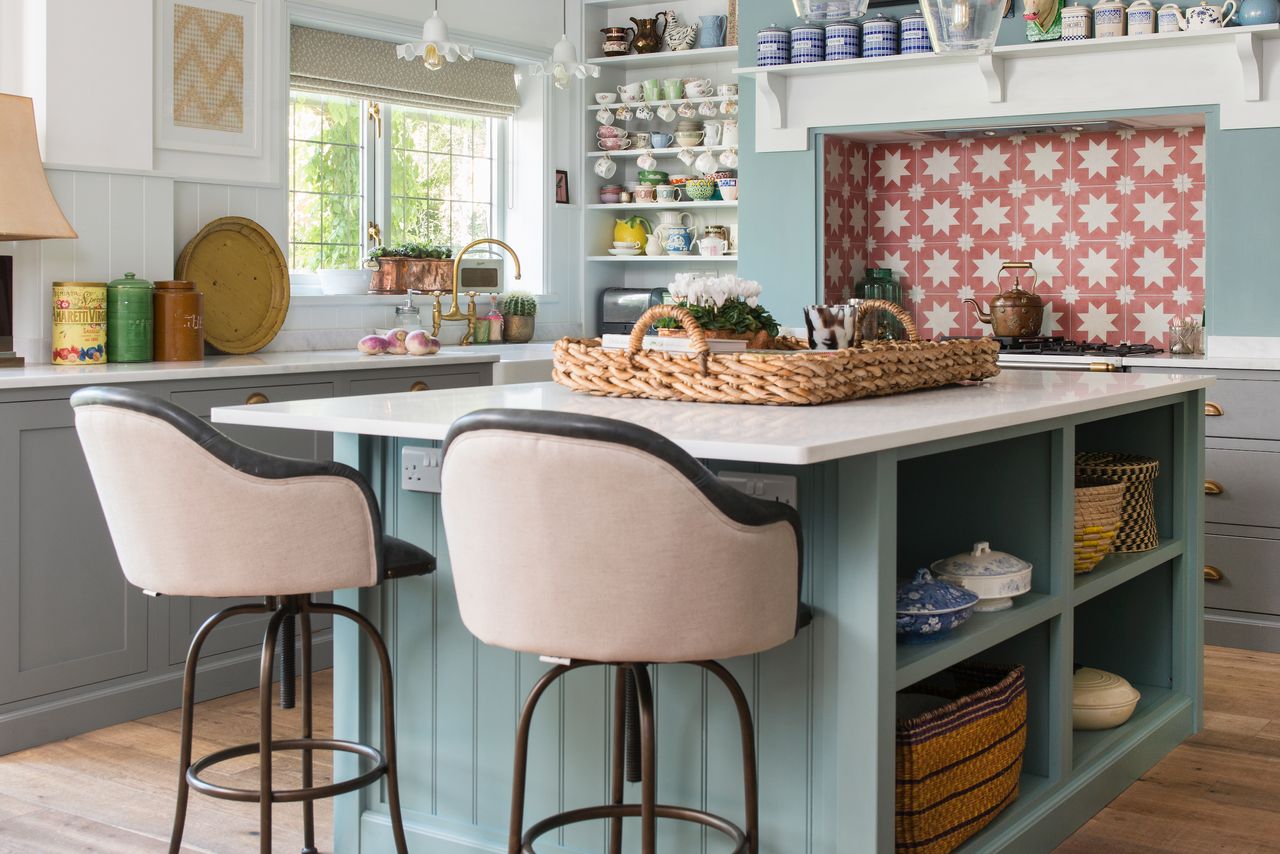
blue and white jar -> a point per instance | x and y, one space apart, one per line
844 41
808 43
879 36
914 34
773 46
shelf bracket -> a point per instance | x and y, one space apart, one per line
1249 51
992 70
771 92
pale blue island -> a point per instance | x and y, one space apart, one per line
884 486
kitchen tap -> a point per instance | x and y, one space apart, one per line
455 312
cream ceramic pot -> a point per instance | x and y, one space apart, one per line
1108 19
1101 700
995 576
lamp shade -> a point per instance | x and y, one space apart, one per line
28 210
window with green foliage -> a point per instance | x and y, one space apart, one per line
424 176
326 150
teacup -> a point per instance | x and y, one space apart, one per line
687 157
658 139
667 113
729 158
728 189
631 92
641 138
707 108
652 89
604 99
624 113
727 90
644 112
695 87
687 110
647 161
706 163
605 167
673 88
626 244
610 131
668 193
614 144
604 117
830 327
689 140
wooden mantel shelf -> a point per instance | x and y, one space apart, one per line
1227 66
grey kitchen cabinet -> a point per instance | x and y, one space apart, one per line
79 647
1242 507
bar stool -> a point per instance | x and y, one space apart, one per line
192 513
650 558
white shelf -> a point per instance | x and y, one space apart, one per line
666 259
660 152
618 4
698 56
662 206
715 99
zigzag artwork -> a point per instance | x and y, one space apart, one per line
208 69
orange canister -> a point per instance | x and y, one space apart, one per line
179 319
79 323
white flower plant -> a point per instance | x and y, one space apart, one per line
721 303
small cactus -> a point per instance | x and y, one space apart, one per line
519 304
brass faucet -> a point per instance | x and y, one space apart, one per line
455 312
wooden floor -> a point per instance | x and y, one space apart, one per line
111 791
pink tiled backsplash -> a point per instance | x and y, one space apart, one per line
1113 222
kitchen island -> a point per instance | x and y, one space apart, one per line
883 486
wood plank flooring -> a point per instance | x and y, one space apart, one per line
111 791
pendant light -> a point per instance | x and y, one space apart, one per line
435 47
563 65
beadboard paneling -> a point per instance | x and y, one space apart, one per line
196 204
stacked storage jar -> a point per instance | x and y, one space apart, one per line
914 34
773 46
879 36
844 40
808 43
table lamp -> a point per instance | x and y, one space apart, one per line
28 210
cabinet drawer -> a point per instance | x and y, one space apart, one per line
1250 570
414 382
1250 482
1248 409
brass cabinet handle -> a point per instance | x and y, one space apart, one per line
1102 367
1212 487
255 398
1212 410
419 386
1212 573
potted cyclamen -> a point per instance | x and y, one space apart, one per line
518 310
725 307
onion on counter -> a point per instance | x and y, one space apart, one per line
372 345
419 343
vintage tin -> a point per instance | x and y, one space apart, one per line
879 36
808 43
844 40
913 34
179 316
773 46
79 323
130 320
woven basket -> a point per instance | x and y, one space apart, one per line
1138 531
800 377
958 766
1098 509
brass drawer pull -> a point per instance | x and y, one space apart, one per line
1212 410
1212 487
255 398
419 386
1212 573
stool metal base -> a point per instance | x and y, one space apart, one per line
384 763
745 841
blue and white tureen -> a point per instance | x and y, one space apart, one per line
928 609
995 576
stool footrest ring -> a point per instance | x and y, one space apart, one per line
715 822
284 796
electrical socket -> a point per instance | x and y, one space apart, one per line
771 487
420 469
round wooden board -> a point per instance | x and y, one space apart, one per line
242 273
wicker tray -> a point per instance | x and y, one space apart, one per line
790 378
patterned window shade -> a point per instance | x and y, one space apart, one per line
338 64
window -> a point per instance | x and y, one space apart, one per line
431 178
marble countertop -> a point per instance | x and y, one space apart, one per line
263 364
787 435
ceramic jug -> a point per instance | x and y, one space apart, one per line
677 239
648 38
675 218
631 230
1206 17
1257 12
617 41
711 30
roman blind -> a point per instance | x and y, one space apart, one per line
338 64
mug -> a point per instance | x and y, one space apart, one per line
604 117
667 113
668 193
687 157
711 133
641 138
706 108
624 113
652 89
644 193
605 167
729 132
673 88
631 92
706 163
644 112
613 143
604 99
728 189
729 158
727 90
687 110
830 327
647 162
658 139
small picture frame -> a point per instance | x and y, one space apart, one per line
562 187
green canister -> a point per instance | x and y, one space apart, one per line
130 320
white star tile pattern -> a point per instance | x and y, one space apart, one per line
1114 225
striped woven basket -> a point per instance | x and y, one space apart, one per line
1098 509
1138 530
959 766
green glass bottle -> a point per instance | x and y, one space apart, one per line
881 283
130 320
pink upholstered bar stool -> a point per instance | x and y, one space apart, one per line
622 550
192 513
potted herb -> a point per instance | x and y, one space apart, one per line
725 307
410 266
518 310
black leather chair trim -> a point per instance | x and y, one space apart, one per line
741 508
243 459
403 560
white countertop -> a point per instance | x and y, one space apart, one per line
263 364
788 435
1210 362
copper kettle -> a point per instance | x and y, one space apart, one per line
1015 313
